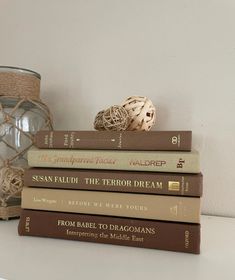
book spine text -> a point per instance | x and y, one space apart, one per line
156 207
124 140
110 230
120 181
180 162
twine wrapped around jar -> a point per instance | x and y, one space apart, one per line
18 82
21 89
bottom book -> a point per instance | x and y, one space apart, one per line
172 236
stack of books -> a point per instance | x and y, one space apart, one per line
129 188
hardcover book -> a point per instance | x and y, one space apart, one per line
156 207
116 181
162 161
171 236
124 140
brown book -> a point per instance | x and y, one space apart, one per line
143 206
116 181
156 161
178 237
112 140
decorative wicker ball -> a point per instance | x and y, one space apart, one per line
98 123
114 118
141 111
11 180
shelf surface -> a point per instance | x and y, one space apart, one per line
35 258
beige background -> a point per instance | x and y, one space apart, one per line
92 54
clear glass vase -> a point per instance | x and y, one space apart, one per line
22 114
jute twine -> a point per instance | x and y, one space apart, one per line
10 212
24 88
19 85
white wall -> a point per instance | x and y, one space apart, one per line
93 54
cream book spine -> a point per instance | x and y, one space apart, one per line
160 161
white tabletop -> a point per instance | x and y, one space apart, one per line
48 259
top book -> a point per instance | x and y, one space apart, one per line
115 140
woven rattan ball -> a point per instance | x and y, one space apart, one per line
141 111
11 180
114 118
98 123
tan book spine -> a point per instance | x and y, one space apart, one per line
163 161
156 207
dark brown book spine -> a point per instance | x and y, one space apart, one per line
116 181
115 140
170 236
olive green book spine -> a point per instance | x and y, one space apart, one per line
160 161
155 207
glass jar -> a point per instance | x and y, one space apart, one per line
22 114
